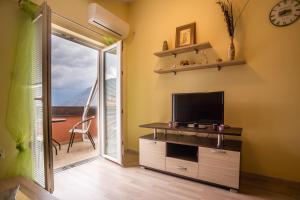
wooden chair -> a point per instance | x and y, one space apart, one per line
78 128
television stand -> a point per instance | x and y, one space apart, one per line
193 157
233 131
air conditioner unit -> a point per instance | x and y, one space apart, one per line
107 21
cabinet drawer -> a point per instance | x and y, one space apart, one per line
182 167
219 166
152 153
224 158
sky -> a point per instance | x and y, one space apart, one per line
74 70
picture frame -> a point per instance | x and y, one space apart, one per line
185 35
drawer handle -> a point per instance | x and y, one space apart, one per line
218 151
182 168
154 142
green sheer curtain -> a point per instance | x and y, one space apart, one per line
20 106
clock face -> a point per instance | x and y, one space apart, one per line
285 12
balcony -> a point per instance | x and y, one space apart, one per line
82 149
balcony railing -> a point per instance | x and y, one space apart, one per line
72 114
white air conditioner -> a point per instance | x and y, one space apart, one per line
107 21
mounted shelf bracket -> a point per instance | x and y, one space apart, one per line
219 68
196 51
155 133
220 140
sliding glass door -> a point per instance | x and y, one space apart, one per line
41 136
112 147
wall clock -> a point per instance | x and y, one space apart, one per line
285 12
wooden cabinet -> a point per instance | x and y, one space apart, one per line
193 157
153 154
219 166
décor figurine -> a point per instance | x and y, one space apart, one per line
219 60
165 46
221 128
184 62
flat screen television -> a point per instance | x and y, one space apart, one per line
201 108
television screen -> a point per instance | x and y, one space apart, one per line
202 108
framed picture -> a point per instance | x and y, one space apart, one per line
185 35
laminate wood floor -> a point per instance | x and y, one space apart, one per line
104 180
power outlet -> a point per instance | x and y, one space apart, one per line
2 154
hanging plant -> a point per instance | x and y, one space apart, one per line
108 40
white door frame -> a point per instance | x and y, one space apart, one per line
44 14
63 34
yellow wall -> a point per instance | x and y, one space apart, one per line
75 10
262 97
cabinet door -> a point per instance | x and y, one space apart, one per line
153 154
219 166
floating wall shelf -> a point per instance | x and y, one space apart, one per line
218 65
190 48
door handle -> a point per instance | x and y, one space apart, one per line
38 98
181 168
218 151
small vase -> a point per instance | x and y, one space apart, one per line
231 50
165 46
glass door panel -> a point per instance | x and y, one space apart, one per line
112 136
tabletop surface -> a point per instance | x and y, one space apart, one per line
234 131
193 140
54 120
